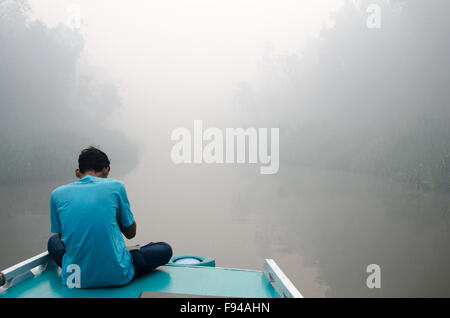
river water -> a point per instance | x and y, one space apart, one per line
322 227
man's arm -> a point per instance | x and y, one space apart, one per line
130 231
124 215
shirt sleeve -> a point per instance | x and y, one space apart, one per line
124 214
55 225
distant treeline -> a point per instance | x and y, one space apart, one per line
374 101
418 155
52 103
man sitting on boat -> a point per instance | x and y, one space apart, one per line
89 217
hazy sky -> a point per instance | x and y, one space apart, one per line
200 49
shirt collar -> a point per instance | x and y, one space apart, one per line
86 179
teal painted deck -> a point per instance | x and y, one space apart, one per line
208 281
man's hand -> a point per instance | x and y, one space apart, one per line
60 236
128 232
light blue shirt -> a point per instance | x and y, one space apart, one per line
85 213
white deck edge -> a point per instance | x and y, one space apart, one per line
23 270
279 280
34 265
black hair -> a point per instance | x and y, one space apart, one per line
92 159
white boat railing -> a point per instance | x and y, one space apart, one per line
35 265
29 268
24 270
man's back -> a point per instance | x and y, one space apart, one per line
86 213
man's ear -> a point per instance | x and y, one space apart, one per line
77 173
106 171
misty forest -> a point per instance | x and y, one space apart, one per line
364 172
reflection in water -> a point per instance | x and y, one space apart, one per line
322 227
340 223
24 225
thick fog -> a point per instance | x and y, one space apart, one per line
362 113
52 101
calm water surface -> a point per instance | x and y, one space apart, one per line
322 227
